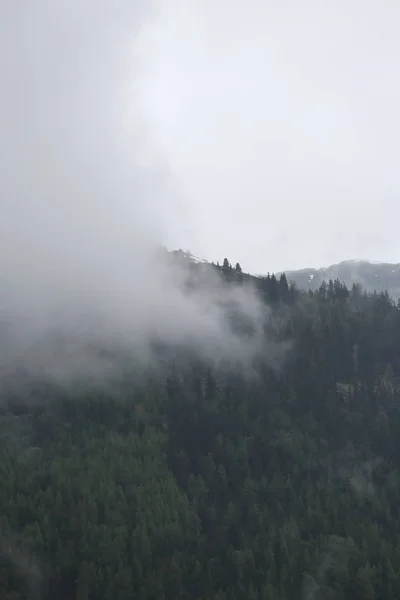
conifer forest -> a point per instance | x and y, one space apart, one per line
274 478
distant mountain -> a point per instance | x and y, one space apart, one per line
372 276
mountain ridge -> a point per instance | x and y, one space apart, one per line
372 276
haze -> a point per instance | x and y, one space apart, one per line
280 124
87 197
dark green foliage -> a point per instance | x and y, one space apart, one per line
211 484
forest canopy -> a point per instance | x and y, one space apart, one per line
271 478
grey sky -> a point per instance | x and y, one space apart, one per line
280 123
264 131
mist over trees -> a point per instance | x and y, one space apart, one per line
187 477
171 429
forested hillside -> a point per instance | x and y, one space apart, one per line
191 479
378 277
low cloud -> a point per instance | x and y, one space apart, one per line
86 203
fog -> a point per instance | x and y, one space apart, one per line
86 199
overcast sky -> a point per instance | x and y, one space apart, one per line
280 125
262 130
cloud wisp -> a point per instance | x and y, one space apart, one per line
85 201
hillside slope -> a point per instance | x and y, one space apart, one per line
194 479
372 276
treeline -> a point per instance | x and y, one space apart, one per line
198 483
